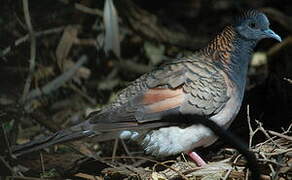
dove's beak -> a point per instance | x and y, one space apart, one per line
271 34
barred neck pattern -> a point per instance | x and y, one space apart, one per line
231 53
221 47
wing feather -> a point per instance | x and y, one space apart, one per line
177 87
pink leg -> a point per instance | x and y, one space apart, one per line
198 160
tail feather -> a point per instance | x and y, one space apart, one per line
58 137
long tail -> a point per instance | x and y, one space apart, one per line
58 137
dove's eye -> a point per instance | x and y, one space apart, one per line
253 25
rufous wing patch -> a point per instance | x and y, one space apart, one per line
162 99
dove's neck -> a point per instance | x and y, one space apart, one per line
231 53
240 58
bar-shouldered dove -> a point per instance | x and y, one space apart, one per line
209 83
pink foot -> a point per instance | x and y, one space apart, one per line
198 160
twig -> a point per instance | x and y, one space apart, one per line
289 138
289 80
251 131
6 164
20 21
25 178
85 9
246 174
260 127
184 158
251 135
265 142
270 166
88 10
26 37
57 82
127 150
277 153
151 160
87 176
229 171
272 162
288 129
173 169
181 174
162 163
42 162
32 48
115 149
186 172
6 140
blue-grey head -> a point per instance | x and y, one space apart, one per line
254 25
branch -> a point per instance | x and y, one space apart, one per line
32 48
57 82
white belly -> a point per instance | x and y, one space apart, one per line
170 140
174 140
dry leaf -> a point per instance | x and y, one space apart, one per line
68 38
82 73
154 52
157 176
110 18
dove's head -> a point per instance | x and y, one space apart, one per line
254 25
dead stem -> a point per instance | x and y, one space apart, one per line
32 48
